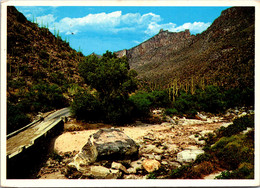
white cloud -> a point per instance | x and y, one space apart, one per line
196 27
154 28
46 19
115 22
109 22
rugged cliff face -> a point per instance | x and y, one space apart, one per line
161 44
223 54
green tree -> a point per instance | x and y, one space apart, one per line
111 78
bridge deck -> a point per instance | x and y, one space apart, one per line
27 137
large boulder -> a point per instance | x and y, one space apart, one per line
106 144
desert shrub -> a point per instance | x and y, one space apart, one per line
39 75
171 111
142 104
159 99
45 97
117 110
203 157
162 171
16 118
244 171
211 99
224 175
203 168
211 138
144 101
16 84
58 78
232 151
239 124
44 55
180 172
86 107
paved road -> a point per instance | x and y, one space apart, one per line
26 138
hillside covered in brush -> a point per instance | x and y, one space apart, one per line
42 69
221 55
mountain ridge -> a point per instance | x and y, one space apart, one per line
222 55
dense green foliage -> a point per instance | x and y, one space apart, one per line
15 117
44 97
86 107
144 101
212 99
41 97
113 82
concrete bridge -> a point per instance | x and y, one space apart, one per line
28 144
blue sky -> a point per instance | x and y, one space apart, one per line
97 29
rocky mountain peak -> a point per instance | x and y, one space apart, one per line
171 41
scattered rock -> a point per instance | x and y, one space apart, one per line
158 157
100 172
151 149
151 165
106 144
164 162
131 170
137 165
205 132
200 117
213 175
132 176
119 166
157 112
174 164
189 154
242 114
247 130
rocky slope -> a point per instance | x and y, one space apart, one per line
34 54
223 54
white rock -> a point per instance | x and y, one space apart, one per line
205 132
118 166
243 114
158 157
100 172
247 130
164 162
131 170
188 155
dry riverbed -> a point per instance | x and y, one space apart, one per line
169 139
